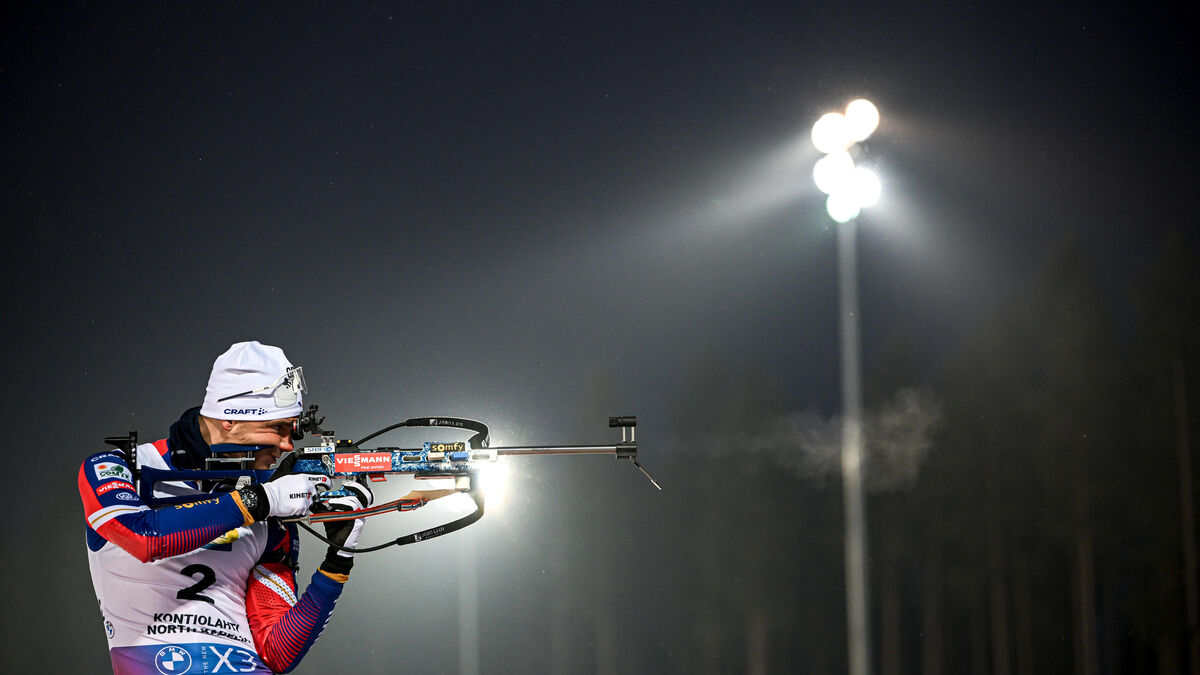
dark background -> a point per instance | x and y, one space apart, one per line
542 214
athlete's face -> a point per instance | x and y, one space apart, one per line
275 435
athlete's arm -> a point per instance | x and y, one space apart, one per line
114 512
284 626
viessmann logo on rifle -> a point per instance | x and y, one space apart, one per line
362 461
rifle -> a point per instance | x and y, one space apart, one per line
342 460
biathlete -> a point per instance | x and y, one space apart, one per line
209 585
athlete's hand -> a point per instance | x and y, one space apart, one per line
360 497
345 533
290 495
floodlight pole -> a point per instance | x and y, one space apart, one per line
834 133
857 617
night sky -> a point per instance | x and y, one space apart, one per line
536 215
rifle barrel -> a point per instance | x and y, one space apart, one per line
557 450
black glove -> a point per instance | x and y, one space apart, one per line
345 532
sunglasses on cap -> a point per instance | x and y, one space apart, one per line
288 388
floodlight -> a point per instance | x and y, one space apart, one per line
833 171
831 133
841 207
862 117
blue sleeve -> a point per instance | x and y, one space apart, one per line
115 513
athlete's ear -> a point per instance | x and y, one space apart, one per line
226 426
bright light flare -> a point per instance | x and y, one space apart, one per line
856 190
841 207
864 187
833 171
493 480
862 117
831 133
835 132
458 504
850 188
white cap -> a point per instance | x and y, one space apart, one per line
244 368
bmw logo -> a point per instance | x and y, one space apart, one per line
173 659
